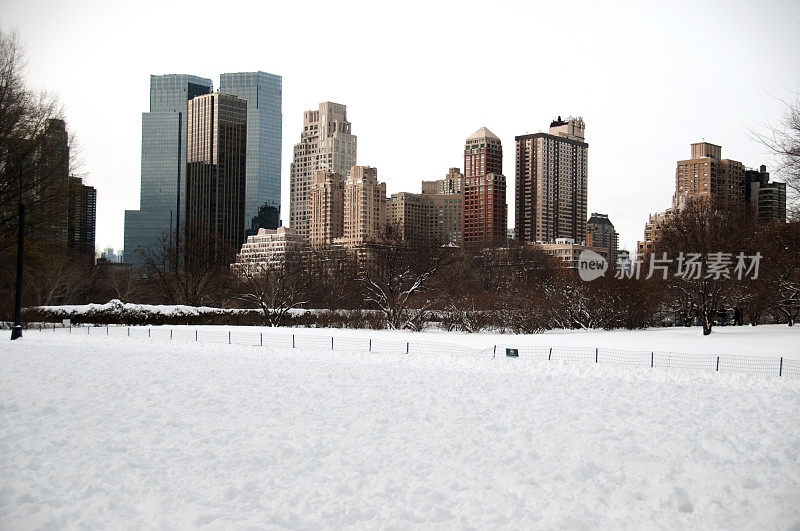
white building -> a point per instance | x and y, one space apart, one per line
266 249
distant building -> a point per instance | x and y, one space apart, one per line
215 180
706 175
326 143
453 183
651 230
767 199
624 261
162 208
551 183
485 208
109 254
566 250
266 250
601 233
263 93
428 215
81 217
327 208
364 207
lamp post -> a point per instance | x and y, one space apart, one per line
16 331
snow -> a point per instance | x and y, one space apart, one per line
767 340
106 432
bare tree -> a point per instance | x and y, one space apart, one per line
783 141
703 231
188 268
400 274
277 289
25 120
782 270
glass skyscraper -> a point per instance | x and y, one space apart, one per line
263 93
162 207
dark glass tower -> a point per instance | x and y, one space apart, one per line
216 171
262 91
162 204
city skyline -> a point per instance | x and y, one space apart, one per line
654 52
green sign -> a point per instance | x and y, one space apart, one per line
512 353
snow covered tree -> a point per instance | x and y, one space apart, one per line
400 277
277 289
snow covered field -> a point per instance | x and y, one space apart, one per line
106 432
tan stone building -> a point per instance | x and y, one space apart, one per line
326 143
364 207
327 208
453 183
435 216
551 183
600 233
706 175
566 250
651 229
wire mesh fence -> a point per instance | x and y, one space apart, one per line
769 366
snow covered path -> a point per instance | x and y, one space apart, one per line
107 432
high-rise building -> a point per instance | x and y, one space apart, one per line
706 175
81 217
601 233
428 215
162 206
327 208
453 183
262 91
216 170
326 143
485 209
364 207
651 230
767 199
551 182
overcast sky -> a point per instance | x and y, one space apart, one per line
418 78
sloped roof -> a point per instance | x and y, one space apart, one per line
483 133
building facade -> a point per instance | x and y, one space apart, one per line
706 175
364 207
485 208
428 215
566 250
453 183
216 170
600 233
327 208
263 93
265 250
767 199
651 229
326 143
551 183
162 204
81 217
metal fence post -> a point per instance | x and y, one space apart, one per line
595 354
229 337
292 340
261 338
195 335
780 368
106 330
148 332
370 345
129 331
70 328
331 342
88 329
406 347
651 359
717 363
170 334
551 353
